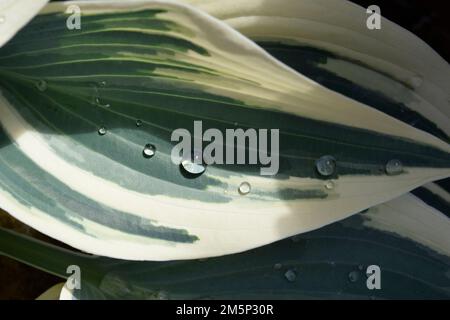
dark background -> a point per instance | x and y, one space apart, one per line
428 19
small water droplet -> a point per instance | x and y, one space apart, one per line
326 165
290 275
329 185
149 151
2 19
100 104
277 266
416 81
102 131
138 123
245 188
162 295
41 85
102 84
353 276
394 167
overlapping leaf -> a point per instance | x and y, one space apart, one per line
166 65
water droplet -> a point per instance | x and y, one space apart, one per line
329 185
245 188
277 266
149 151
100 104
102 131
353 276
41 85
290 275
102 84
416 81
2 19
394 167
162 295
138 123
326 165
194 165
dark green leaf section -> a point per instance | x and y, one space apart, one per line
68 84
307 60
36 188
329 263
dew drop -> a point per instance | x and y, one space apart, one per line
162 295
41 85
326 165
102 84
290 275
100 104
102 131
394 167
416 81
138 123
329 185
353 276
245 188
193 165
149 151
277 266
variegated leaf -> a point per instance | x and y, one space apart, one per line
166 65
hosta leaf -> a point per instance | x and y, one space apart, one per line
14 14
167 65
389 69
326 263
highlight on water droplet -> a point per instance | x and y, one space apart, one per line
394 167
290 275
102 131
149 150
245 188
41 85
326 165
138 123
329 185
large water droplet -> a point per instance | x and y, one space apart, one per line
194 165
149 150
290 275
353 276
138 123
41 85
326 165
102 131
394 167
245 188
